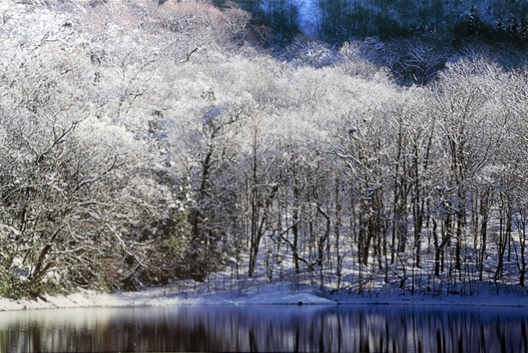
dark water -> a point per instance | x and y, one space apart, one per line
267 328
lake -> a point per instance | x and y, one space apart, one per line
306 328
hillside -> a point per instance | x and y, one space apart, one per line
142 144
337 21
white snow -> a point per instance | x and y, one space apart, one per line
271 294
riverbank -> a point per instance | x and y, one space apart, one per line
275 294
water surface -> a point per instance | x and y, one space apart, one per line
305 328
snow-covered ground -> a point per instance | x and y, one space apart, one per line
279 284
276 294
287 288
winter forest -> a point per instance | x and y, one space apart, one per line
144 142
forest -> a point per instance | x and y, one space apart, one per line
337 21
143 142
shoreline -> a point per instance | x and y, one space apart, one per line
268 295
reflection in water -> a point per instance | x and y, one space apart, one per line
266 328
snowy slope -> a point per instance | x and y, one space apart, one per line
264 294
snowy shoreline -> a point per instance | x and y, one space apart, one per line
268 295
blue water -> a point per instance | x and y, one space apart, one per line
267 328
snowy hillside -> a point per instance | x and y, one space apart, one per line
347 19
146 145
